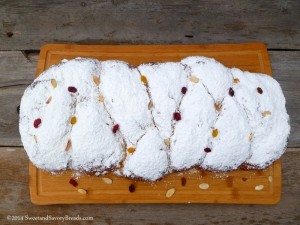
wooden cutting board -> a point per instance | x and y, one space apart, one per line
230 187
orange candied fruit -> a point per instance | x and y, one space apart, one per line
144 79
73 120
215 133
131 150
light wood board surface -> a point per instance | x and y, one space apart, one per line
230 187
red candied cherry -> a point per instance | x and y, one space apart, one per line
207 150
73 182
183 90
259 90
231 92
115 128
176 116
131 188
37 122
72 89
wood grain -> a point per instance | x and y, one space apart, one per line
230 187
285 68
30 25
16 68
14 195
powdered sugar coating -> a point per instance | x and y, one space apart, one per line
192 133
230 148
214 76
270 132
150 160
126 99
53 129
165 81
112 92
271 136
92 135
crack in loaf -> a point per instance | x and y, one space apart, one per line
145 122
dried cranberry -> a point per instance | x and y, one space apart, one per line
72 89
207 150
131 188
176 116
183 181
259 90
115 128
73 182
183 90
37 122
231 92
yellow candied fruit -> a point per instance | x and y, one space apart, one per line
215 133
236 80
73 120
131 150
53 83
96 80
144 80
101 98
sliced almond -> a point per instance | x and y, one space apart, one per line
204 186
150 105
82 191
107 180
270 178
194 79
53 83
101 98
218 106
131 150
96 80
170 192
236 80
259 187
49 100
167 141
68 145
144 79
250 136
266 113
35 138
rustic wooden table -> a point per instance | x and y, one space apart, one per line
26 25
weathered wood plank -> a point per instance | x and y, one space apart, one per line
17 68
30 24
16 71
286 70
15 200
